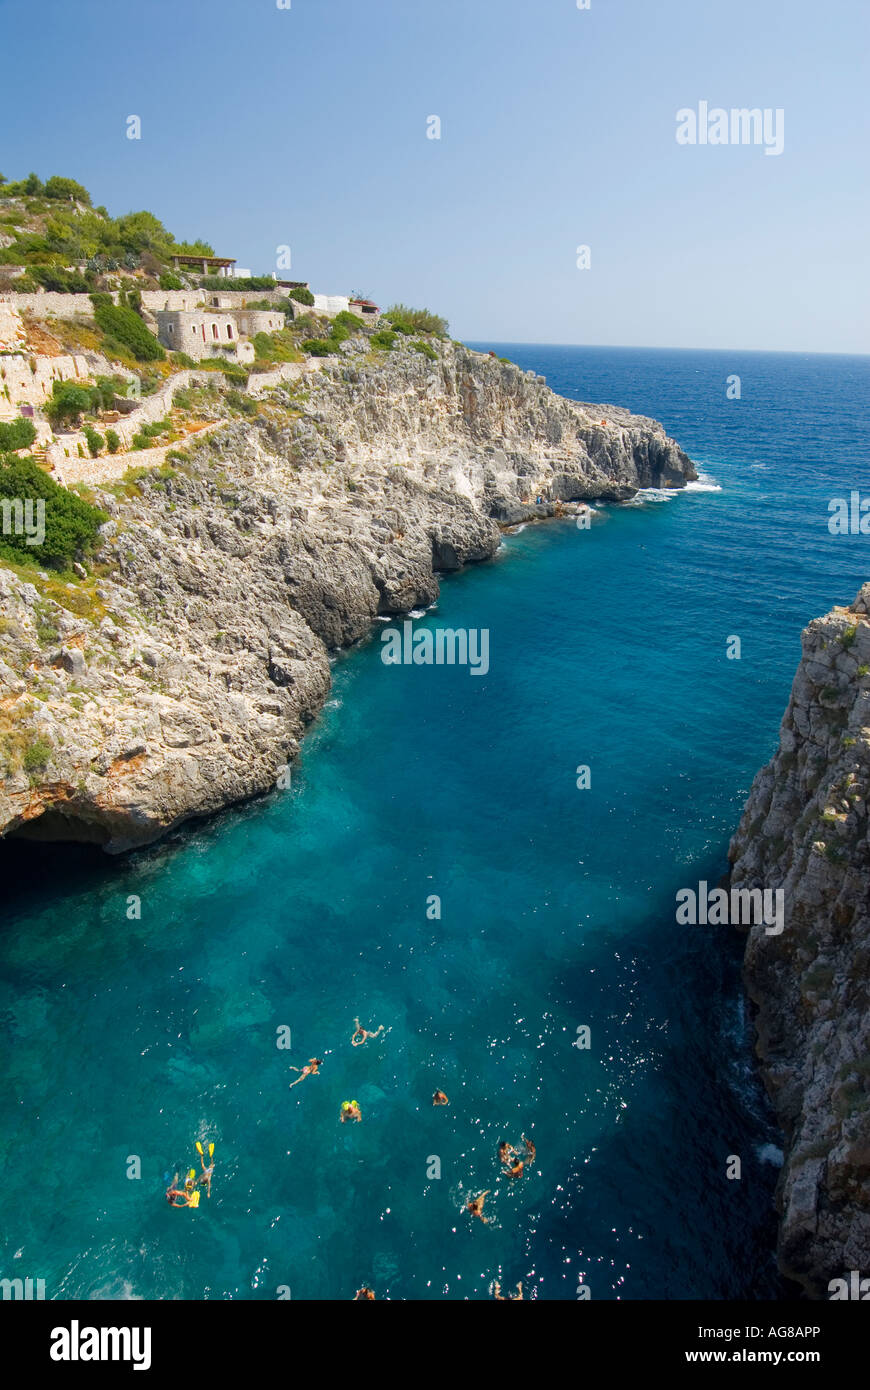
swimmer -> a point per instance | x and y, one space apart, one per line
174 1191
350 1111
517 1170
506 1152
363 1294
362 1035
475 1206
511 1298
439 1098
205 1180
314 1065
188 1197
531 1151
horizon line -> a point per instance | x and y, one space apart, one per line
662 347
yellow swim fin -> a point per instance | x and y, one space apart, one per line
199 1148
211 1150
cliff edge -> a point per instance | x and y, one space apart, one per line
805 831
178 675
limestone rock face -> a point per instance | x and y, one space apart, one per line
805 830
203 652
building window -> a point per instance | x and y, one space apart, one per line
229 330
214 329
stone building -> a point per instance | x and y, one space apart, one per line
207 332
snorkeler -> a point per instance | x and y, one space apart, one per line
350 1111
531 1151
475 1206
364 1294
512 1297
439 1098
516 1170
314 1065
188 1196
361 1035
205 1180
506 1152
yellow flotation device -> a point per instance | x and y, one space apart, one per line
194 1199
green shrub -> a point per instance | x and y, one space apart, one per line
113 441
301 295
67 402
71 524
181 359
168 281
67 189
348 320
123 325
263 347
426 349
320 347
95 440
61 281
849 636
233 371
385 339
18 434
253 282
145 438
36 754
406 320
236 401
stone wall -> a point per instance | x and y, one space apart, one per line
50 305
31 385
156 407
111 466
329 305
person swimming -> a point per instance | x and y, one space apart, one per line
350 1111
187 1196
439 1098
314 1065
531 1151
362 1035
512 1297
516 1169
363 1294
475 1206
207 1173
506 1152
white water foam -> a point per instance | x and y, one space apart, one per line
704 483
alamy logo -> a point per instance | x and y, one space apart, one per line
855 1288
76 1343
23 1288
443 647
18 518
739 126
741 907
849 517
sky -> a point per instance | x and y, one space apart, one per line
307 125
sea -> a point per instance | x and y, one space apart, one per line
485 865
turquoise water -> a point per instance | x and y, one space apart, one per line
308 908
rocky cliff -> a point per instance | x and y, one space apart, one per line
805 830
179 674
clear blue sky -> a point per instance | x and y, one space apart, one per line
307 127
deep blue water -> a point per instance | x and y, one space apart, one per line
308 908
